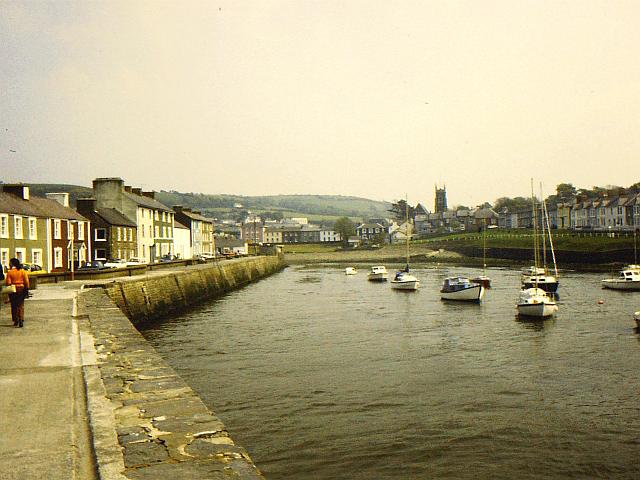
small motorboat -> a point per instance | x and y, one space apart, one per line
636 317
628 279
350 271
482 280
461 288
378 273
535 302
403 280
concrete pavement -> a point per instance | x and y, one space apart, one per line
44 429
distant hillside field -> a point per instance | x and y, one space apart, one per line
314 207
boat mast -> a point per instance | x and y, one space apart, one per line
543 235
553 253
535 234
408 231
484 247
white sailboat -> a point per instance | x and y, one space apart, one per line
533 301
403 280
535 277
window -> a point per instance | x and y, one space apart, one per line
21 254
150 232
4 258
100 254
33 229
57 257
4 226
101 233
69 230
156 215
17 227
57 234
157 231
36 256
80 230
119 234
164 231
131 235
164 216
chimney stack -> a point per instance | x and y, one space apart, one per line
86 205
18 189
150 194
127 188
61 197
136 191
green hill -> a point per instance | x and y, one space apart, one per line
315 207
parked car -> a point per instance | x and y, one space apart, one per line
135 261
207 256
168 258
115 263
92 265
31 267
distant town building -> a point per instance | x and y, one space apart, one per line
441 200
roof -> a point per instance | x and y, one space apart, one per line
148 202
37 207
195 216
114 217
177 224
229 242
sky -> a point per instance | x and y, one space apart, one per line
378 99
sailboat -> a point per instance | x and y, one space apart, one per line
540 277
483 279
403 280
534 301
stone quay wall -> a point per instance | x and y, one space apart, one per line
144 299
146 422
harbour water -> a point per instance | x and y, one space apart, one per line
321 375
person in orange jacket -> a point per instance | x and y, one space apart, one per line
20 278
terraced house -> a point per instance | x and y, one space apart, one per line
113 234
154 221
43 231
200 230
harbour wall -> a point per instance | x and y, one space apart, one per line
145 421
148 298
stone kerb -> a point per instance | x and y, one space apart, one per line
163 429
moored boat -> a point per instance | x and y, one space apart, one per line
378 273
482 280
462 289
548 283
628 279
636 316
403 280
535 302
350 271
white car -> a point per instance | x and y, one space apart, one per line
207 256
115 263
134 261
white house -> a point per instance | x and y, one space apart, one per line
182 241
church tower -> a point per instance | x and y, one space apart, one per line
441 199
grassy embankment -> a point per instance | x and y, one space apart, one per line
441 249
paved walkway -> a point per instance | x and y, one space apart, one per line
43 425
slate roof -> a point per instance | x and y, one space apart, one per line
196 216
177 224
147 202
37 207
114 217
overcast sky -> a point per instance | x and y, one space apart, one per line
374 99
